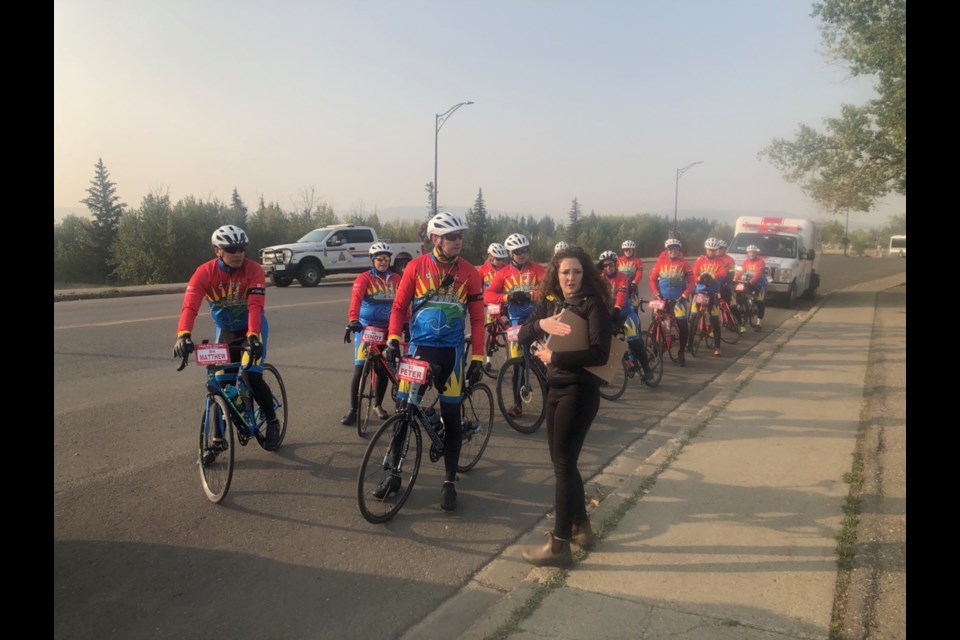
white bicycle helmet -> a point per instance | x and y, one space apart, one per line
628 244
497 251
723 244
753 247
608 255
229 236
711 243
671 242
380 247
560 246
445 222
516 241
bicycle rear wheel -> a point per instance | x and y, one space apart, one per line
654 359
528 415
273 380
752 319
391 461
216 457
618 383
366 397
476 425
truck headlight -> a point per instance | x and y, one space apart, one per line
287 256
785 275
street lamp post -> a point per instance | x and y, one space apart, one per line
676 194
438 122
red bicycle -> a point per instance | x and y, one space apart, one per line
663 328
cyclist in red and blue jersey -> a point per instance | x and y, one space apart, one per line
497 258
710 271
672 279
726 287
234 287
753 272
623 314
446 293
631 267
370 304
517 286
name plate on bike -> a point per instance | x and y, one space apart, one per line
657 305
207 354
512 333
702 298
740 287
493 309
413 370
374 335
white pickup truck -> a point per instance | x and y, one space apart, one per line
791 248
341 248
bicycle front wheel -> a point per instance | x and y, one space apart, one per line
697 332
476 424
497 351
216 449
654 359
389 468
273 380
731 327
618 383
522 395
366 398
752 318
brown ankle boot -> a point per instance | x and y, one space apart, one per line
582 535
555 553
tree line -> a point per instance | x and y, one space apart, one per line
163 241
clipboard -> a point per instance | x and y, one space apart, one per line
578 340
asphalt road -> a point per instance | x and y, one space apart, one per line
140 553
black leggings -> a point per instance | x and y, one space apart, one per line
570 412
381 389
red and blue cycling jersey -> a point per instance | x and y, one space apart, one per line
632 269
441 313
716 267
372 298
235 296
671 278
513 278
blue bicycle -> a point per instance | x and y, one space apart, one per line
230 411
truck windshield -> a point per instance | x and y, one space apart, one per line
315 236
771 244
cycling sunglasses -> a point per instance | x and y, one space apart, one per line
521 251
234 248
453 236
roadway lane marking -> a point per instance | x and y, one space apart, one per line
114 323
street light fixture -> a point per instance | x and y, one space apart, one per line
676 193
438 122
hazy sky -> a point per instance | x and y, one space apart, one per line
600 101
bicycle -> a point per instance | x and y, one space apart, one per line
701 327
495 342
617 385
524 379
747 304
728 321
387 459
228 410
374 366
663 327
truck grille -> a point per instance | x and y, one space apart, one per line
269 256
773 274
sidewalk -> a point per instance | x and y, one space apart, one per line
729 530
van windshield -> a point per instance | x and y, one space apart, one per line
771 245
